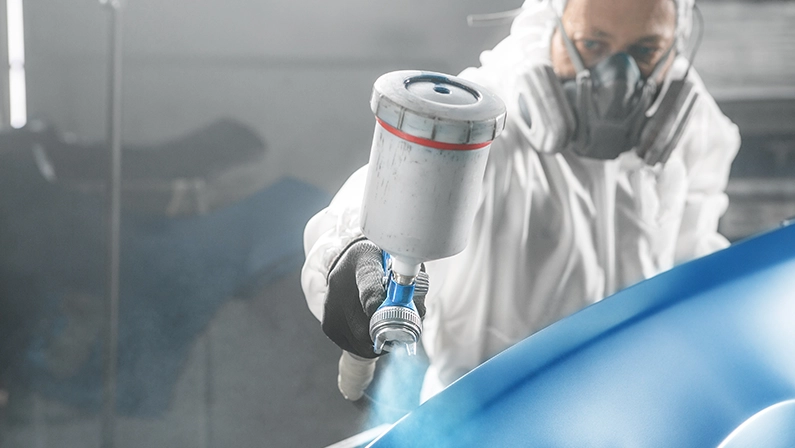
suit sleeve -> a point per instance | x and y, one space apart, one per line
711 143
326 235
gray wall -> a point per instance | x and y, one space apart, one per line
748 49
300 73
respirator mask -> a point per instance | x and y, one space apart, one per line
609 108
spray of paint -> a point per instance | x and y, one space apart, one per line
396 388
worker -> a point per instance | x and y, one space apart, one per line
611 168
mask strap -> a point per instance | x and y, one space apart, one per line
574 55
698 19
698 25
661 63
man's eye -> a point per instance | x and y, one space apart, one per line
591 50
591 45
642 53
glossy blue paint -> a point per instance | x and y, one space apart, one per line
682 359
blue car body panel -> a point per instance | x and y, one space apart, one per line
682 359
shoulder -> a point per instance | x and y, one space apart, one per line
709 134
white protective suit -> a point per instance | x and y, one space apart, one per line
554 232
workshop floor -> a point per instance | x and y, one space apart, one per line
262 374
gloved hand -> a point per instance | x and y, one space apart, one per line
356 289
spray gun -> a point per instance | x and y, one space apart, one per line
432 137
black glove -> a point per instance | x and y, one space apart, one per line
355 291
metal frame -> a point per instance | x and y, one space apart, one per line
113 193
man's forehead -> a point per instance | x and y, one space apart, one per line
642 20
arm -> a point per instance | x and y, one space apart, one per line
711 143
326 235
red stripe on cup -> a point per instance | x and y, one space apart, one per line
431 143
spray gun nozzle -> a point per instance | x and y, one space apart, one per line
392 346
395 325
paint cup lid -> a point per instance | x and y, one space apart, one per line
437 107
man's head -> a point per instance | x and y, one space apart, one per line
644 29
607 89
